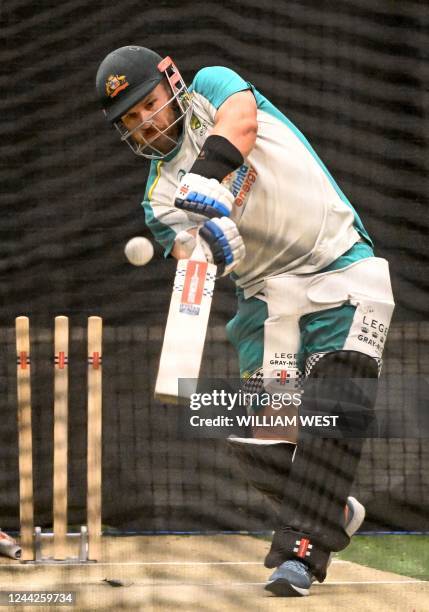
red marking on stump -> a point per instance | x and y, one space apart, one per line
23 360
96 360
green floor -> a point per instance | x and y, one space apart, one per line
405 554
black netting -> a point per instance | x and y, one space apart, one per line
154 479
352 75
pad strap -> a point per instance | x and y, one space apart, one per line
289 544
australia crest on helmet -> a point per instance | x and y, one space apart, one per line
115 84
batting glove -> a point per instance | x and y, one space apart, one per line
222 244
203 196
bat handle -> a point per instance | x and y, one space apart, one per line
198 252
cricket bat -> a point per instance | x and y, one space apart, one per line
186 328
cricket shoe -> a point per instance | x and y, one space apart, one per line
293 578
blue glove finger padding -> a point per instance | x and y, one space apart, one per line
219 245
204 205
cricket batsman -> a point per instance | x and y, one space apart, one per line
313 300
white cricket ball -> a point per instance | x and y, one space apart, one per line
139 251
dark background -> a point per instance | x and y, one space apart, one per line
352 75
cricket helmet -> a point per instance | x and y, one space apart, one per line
125 77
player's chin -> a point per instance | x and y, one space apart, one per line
162 144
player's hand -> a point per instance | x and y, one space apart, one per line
222 244
203 196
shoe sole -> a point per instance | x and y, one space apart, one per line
282 588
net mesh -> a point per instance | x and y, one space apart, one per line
165 482
351 75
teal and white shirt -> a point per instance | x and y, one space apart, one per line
292 215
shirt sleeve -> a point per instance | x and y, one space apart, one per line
163 220
217 84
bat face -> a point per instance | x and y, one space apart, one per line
186 328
